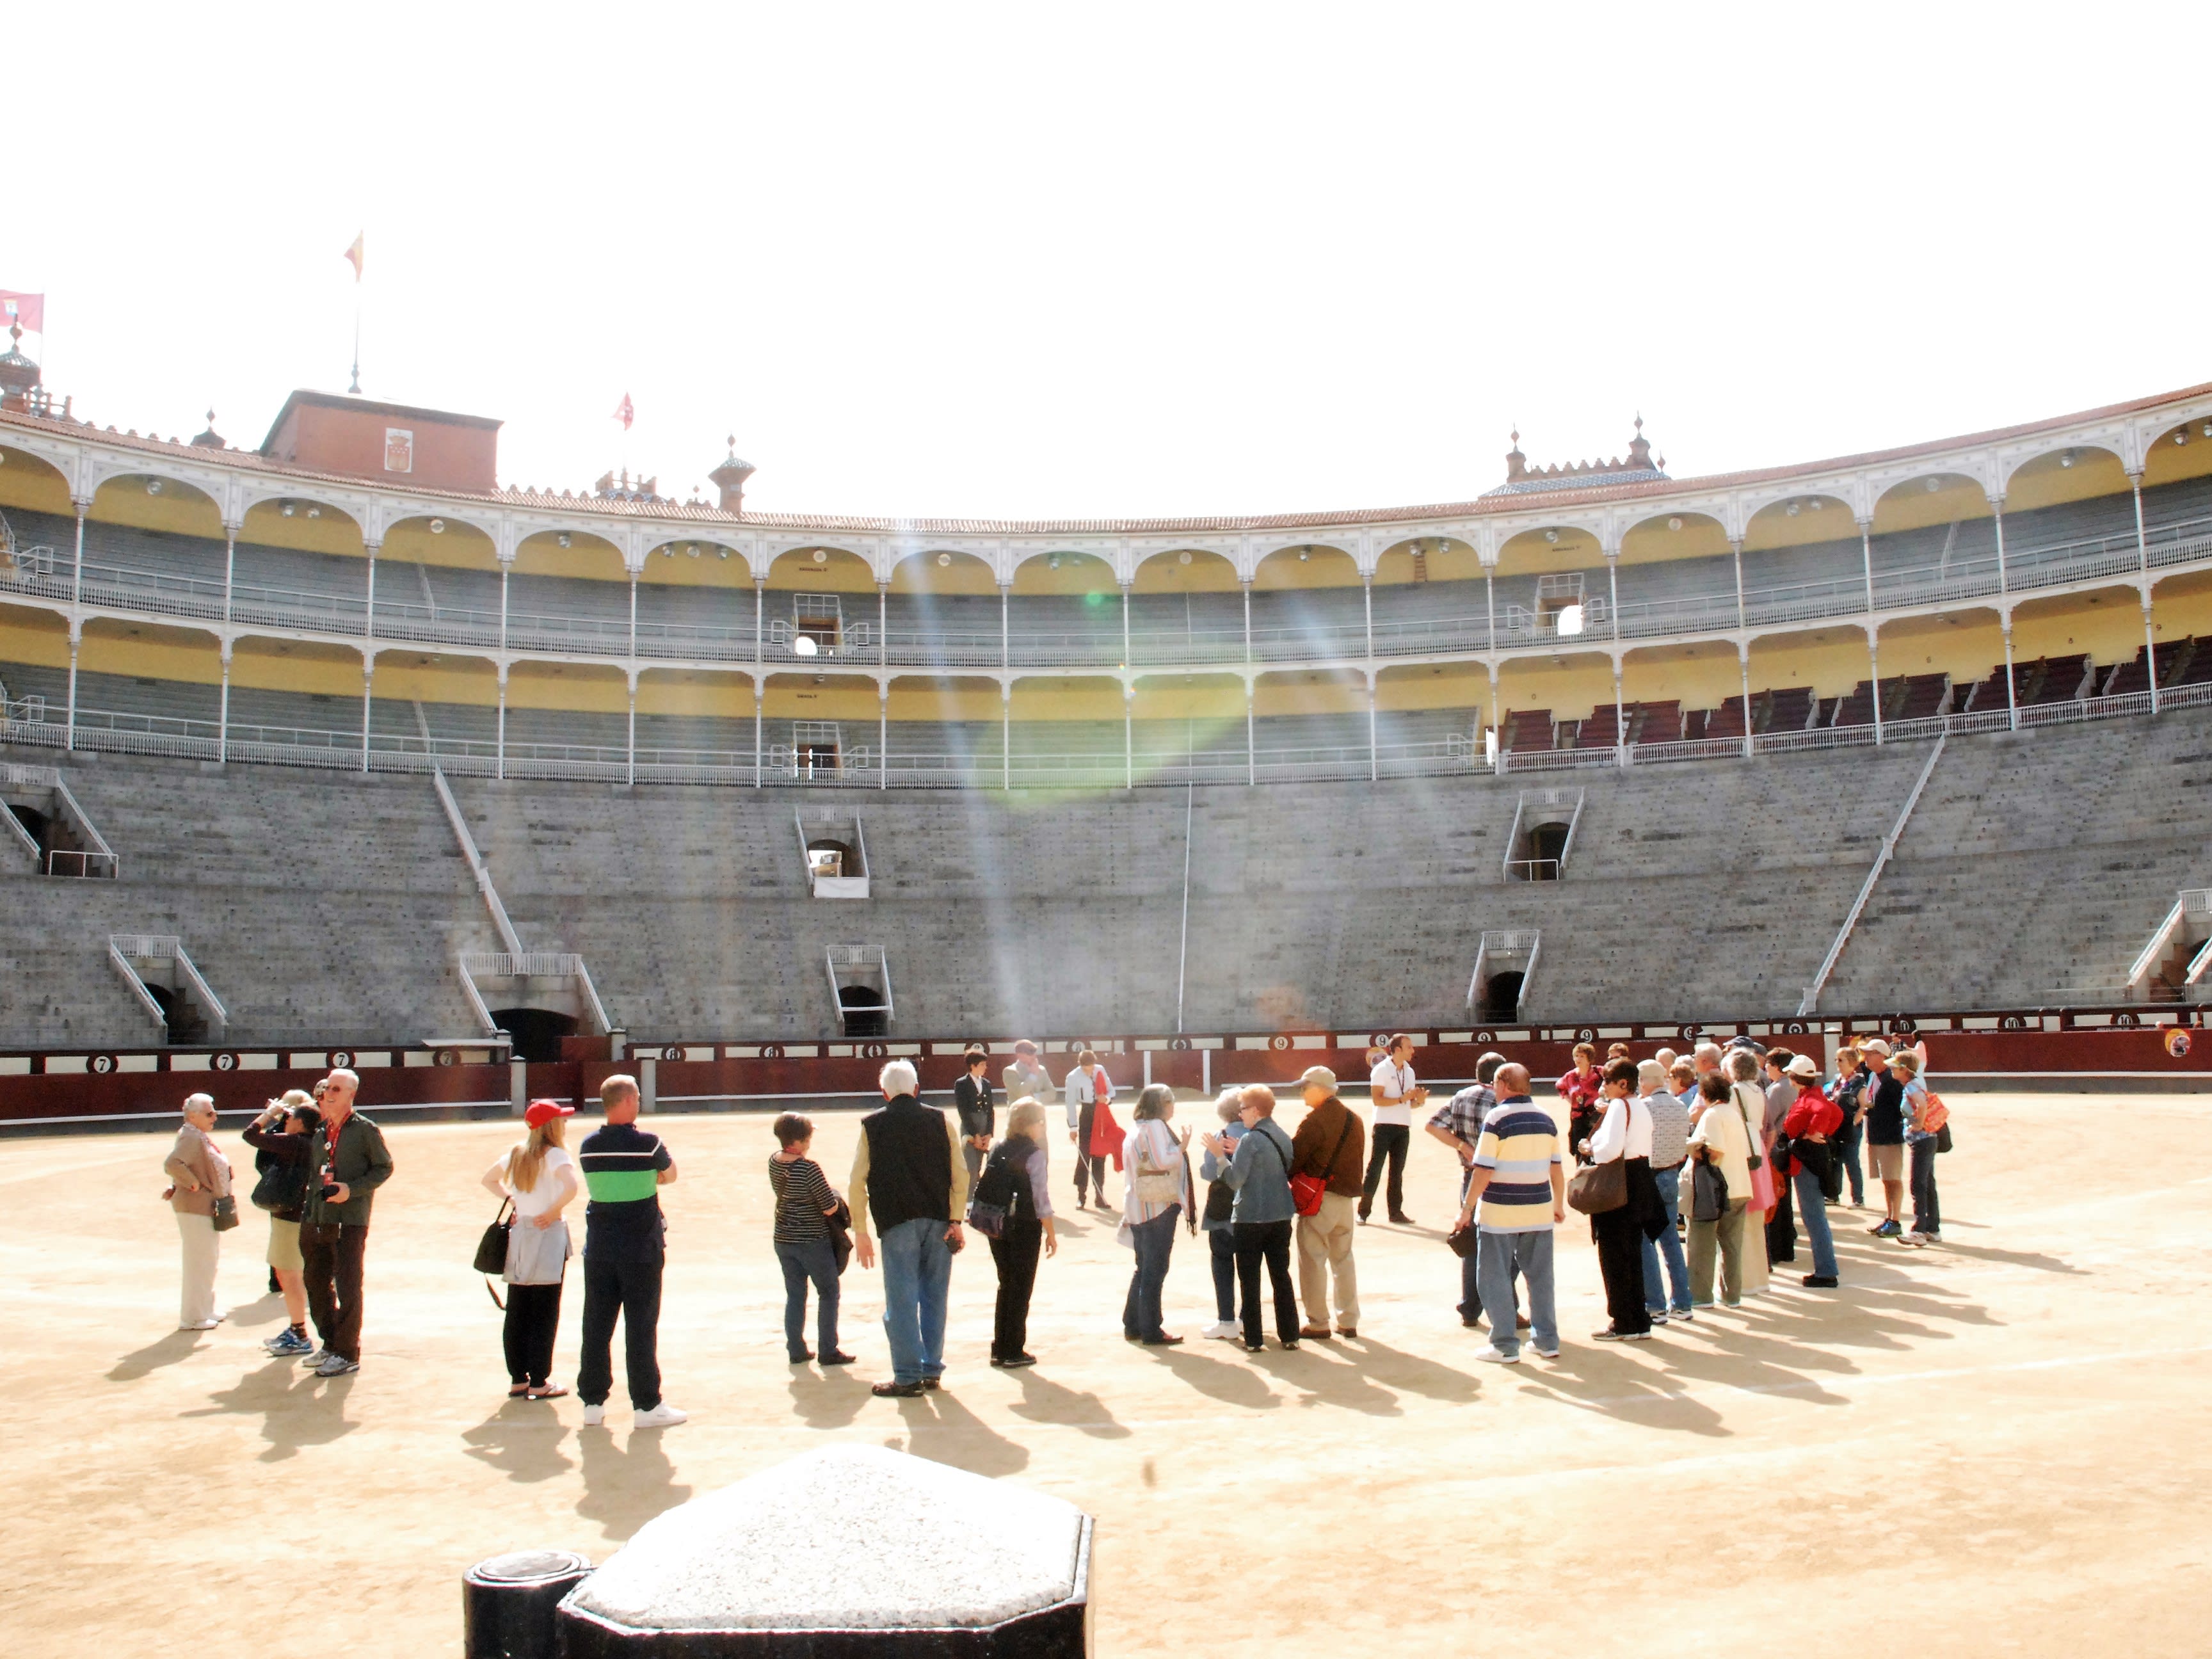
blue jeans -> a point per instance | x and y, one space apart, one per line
1927 1214
917 1271
817 1261
1500 1255
1473 1301
1155 1241
1813 1211
1668 1244
1222 1241
1848 1143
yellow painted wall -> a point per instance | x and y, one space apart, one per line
26 636
1299 695
1327 566
2044 483
542 685
1445 686
2109 630
728 695
1166 573
1078 573
1068 700
2168 461
839 572
1652 543
839 700
1570 689
1702 676
1912 505
163 653
1529 555
462 546
2182 606
948 700
1966 650
664 568
334 531
27 482
966 574
1454 562
1830 522
1206 698
590 558
409 679
1830 660
178 508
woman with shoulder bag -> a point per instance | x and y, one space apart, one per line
1218 1220
1803 1149
282 1139
539 1178
1750 1102
1156 1196
199 1193
1623 1135
1014 1182
1720 1146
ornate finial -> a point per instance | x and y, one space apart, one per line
1516 434
1639 422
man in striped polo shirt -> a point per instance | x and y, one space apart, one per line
624 1168
1517 1193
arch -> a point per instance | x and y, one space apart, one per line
536 1032
943 571
1799 517
32 482
2062 473
1065 571
1548 549
1499 1001
1185 570
1428 559
1674 533
455 541
1305 564
733 559
836 570
147 499
1910 503
312 524
251 493
582 555
2168 461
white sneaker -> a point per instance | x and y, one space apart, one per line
594 1415
1493 1357
1223 1331
201 1325
663 1416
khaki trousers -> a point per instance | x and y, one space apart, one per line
1325 1247
202 1247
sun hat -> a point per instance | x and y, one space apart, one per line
1319 1077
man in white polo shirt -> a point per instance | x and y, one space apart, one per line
1392 1088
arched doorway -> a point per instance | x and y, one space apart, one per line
1501 997
536 1031
864 1011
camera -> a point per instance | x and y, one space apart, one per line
330 1189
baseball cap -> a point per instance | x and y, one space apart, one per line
1803 1065
545 1111
1319 1077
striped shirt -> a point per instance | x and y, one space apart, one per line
802 1200
621 1165
1519 1146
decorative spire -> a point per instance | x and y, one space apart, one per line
210 439
729 478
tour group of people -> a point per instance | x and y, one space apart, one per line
1696 1170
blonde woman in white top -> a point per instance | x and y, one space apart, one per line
539 1176
1750 1101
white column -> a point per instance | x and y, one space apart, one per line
75 635
1251 753
883 735
1128 728
2012 693
1612 587
1490 616
1006 626
2142 564
499 742
632 613
760 622
1743 661
630 775
1367 604
1125 625
883 623
1494 713
758 692
1619 717
1874 661
1371 726
222 709
506 568
367 694
1735 552
1247 583
229 565
1006 734
1866 554
1997 512
76 574
368 610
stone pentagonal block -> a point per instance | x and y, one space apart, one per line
847 1552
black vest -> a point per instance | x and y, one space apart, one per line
909 1164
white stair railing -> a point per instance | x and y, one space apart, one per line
508 936
1810 1002
2189 901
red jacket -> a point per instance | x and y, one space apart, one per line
1811 1114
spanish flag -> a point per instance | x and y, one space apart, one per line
353 254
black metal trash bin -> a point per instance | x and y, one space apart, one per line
508 1602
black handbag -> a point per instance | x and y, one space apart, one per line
224 1215
281 1186
1943 1138
1709 1193
1462 1238
491 1249
840 1223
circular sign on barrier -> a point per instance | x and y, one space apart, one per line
342 1059
449 1057
672 1052
100 1065
1485 1037
772 1051
1902 1026
1586 1034
873 1051
1279 1043
2177 1042
1794 1028
2128 1022
2012 1022
1179 1044
224 1062
1691 1031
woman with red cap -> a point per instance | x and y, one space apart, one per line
539 1178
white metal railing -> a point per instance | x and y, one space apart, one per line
859 961
129 949
459 824
1811 1000
2190 901
536 965
122 965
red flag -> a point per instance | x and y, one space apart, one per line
355 255
625 413
29 310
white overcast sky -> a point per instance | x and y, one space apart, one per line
1117 260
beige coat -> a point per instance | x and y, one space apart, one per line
195 1161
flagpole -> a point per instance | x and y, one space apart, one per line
356 387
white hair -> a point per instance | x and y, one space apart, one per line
897 1078
193 1103
1711 1051
351 1078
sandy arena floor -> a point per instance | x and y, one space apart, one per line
1992 1446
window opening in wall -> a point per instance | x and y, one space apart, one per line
830 858
818 619
814 747
1559 608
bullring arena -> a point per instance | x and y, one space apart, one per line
333 752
